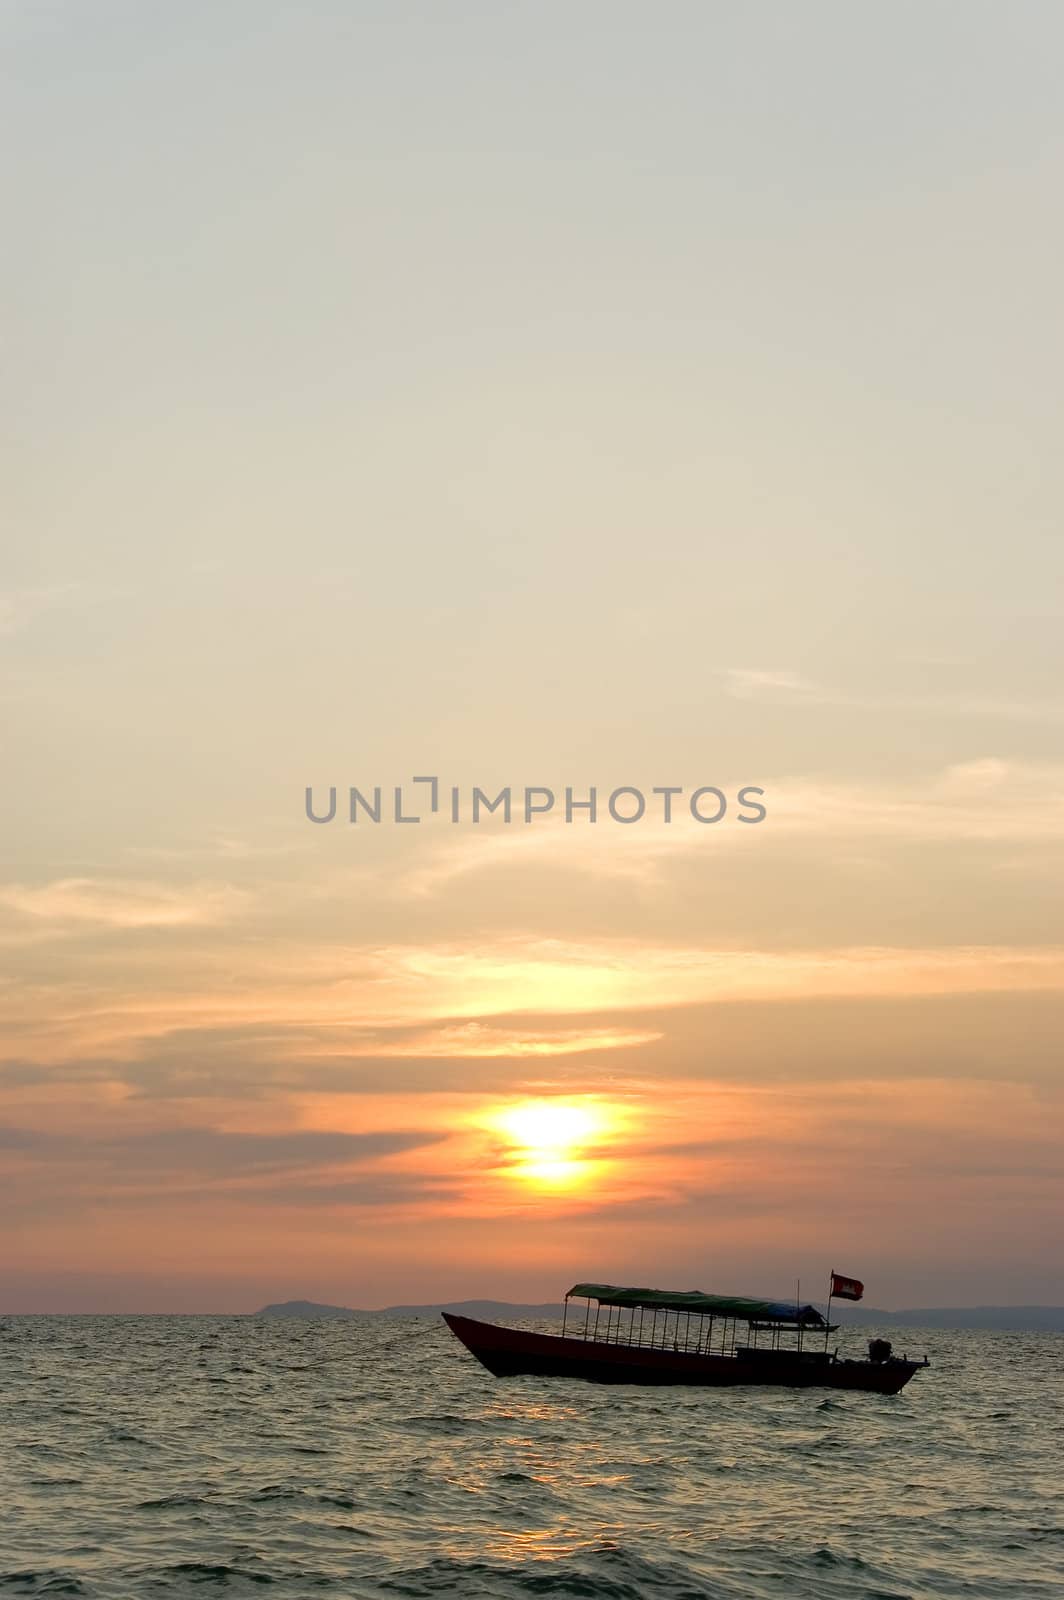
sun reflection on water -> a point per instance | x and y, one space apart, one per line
563 1541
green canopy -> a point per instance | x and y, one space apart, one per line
704 1305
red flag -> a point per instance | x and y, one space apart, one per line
846 1288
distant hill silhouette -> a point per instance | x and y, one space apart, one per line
468 1308
310 1308
1021 1319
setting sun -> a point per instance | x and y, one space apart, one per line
552 1141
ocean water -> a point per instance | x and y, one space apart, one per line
182 1456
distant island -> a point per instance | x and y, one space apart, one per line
1019 1319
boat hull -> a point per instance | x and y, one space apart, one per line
506 1352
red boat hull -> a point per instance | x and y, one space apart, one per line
509 1351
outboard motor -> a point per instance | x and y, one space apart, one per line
879 1349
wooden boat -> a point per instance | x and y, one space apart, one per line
684 1337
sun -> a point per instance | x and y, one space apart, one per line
552 1142
549 1127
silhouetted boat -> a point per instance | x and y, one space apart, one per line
683 1338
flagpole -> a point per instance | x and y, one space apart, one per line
827 1327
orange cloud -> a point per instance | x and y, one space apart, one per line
77 903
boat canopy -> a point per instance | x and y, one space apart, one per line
703 1305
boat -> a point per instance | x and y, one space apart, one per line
662 1336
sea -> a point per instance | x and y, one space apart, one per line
184 1456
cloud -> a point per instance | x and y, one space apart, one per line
563 977
985 799
21 1139
297 984
346 1002
226 846
216 1153
51 1174
773 686
225 1154
892 1156
957 1034
68 904
785 687
380 1189
475 1039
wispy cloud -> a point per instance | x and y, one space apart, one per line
984 799
72 903
62 1171
988 798
474 1040
335 996
226 847
219 1151
771 684
786 687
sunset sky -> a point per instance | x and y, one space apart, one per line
531 394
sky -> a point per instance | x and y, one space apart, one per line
531 396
